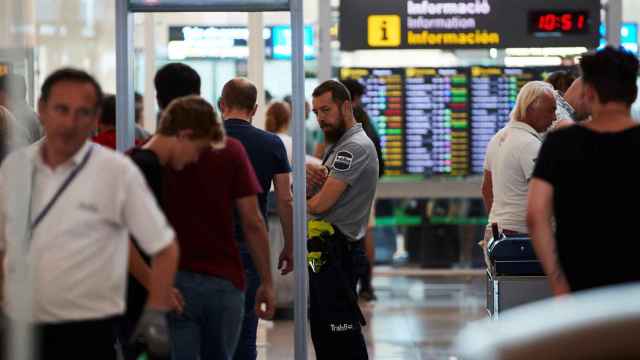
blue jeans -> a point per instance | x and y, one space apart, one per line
246 349
209 327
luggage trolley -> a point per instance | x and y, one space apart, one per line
515 276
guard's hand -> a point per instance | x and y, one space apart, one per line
177 301
265 302
316 177
285 262
153 331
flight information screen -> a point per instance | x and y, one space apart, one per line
436 121
384 103
493 93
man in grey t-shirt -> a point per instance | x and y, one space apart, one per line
340 193
13 96
352 161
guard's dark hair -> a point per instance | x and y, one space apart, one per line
356 89
239 94
14 84
339 92
612 73
175 80
108 114
70 75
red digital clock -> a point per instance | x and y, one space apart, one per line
558 22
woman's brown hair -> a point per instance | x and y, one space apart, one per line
277 117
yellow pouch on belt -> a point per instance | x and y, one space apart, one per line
315 231
318 227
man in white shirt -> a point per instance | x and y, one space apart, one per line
67 207
511 156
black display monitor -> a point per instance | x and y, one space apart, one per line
438 121
383 101
493 91
422 117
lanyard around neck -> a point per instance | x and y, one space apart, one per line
61 189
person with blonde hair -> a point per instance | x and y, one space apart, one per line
511 156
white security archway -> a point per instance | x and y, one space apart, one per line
125 112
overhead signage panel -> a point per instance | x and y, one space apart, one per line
433 24
281 42
212 42
233 42
207 5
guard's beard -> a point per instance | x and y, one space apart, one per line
333 133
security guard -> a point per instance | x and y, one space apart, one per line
340 193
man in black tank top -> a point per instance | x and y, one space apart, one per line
584 177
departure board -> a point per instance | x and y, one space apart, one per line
493 93
384 103
436 121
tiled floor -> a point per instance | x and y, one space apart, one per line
417 316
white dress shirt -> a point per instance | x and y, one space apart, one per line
78 254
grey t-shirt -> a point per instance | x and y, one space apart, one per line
28 120
353 160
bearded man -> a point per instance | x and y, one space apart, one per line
340 193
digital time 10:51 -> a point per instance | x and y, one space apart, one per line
558 22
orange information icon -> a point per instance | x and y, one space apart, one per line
384 30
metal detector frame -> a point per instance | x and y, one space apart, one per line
125 119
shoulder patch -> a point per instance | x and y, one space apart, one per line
342 161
